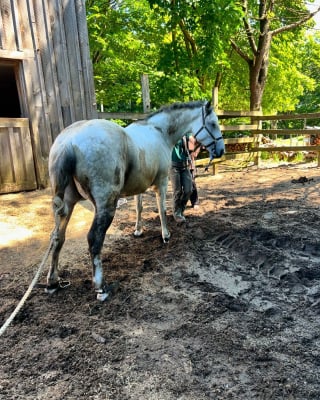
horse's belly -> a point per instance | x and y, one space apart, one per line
132 188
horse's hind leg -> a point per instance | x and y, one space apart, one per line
62 213
161 193
101 222
138 227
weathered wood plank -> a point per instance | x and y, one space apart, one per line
233 114
18 155
242 127
48 71
35 90
291 131
16 24
28 160
260 117
14 122
1 34
70 27
8 39
9 187
122 115
145 93
288 116
16 55
249 139
228 156
16 161
286 148
87 68
63 73
6 170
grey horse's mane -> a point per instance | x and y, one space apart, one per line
178 106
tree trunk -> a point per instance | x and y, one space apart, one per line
258 60
258 70
257 79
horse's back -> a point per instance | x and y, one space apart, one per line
89 130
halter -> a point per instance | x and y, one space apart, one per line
204 127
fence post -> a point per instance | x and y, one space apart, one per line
215 168
215 98
145 92
257 155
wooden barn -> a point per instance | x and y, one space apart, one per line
46 83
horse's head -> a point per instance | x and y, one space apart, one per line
209 134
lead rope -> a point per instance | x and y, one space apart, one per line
37 275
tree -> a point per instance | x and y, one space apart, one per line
262 22
194 47
288 77
310 100
184 46
122 38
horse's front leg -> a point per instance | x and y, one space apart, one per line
101 222
161 195
138 230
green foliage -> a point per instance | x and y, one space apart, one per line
310 98
122 44
183 44
180 44
286 80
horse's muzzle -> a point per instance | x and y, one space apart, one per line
217 152
219 148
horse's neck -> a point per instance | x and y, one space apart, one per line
178 123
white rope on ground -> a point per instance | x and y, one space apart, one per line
4 327
29 290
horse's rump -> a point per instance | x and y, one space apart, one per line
90 152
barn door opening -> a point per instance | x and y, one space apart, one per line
9 100
17 170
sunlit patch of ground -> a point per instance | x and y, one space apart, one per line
11 233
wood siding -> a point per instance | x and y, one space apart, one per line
16 162
48 40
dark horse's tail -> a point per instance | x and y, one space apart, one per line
62 169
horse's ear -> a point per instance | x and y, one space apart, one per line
208 105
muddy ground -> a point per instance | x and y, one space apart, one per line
228 309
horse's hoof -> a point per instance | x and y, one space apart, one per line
50 289
137 233
102 296
166 238
107 291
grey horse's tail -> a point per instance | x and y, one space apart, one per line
62 170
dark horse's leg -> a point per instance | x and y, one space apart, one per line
62 210
101 222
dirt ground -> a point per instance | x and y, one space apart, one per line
228 309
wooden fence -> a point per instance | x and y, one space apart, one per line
250 146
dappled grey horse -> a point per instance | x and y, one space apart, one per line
102 161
